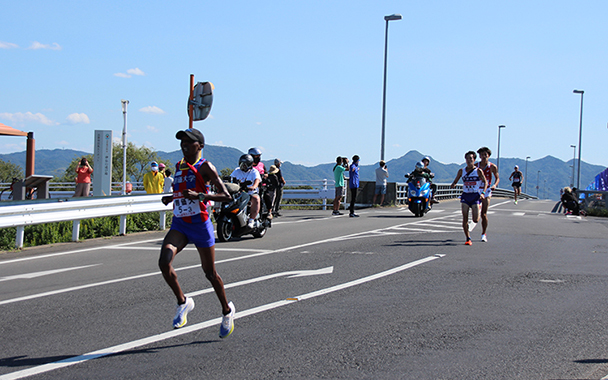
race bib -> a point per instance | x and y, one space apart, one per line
183 207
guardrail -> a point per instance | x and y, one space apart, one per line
24 213
444 191
61 208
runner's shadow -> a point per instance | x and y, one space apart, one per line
25 361
423 243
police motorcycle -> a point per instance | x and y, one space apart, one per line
419 193
232 217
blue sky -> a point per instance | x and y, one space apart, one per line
303 80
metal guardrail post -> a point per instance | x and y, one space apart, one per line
75 230
19 237
324 199
122 229
163 220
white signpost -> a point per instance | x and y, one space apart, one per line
102 176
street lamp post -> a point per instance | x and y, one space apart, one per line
573 161
580 136
124 147
388 18
537 182
498 158
526 176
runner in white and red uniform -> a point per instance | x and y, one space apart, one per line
474 186
489 169
191 223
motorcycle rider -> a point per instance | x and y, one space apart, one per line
246 172
256 153
419 172
258 165
426 161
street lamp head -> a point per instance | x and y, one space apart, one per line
502 126
572 146
393 17
578 91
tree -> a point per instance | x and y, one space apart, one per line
8 171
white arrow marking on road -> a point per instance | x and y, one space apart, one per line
202 325
290 274
43 273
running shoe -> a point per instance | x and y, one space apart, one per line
515 202
182 313
251 224
227 325
484 238
468 242
353 215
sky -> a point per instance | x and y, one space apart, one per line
303 80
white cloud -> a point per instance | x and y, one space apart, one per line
151 128
219 143
8 45
135 71
78 118
130 72
152 109
20 117
37 45
63 143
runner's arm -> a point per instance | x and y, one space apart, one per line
495 171
458 175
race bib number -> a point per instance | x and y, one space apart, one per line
183 207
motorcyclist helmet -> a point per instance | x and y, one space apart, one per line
245 162
426 159
256 153
419 166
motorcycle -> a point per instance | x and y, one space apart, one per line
231 217
419 194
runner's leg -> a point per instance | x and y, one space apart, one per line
174 242
207 256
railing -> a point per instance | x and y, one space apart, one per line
24 213
444 191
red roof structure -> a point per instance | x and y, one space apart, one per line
5 130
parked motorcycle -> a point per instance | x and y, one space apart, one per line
231 217
419 194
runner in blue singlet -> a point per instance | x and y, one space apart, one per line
474 186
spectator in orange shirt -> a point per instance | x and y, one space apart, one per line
83 178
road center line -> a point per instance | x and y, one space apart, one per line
199 326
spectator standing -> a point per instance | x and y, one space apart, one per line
168 186
83 178
353 184
154 180
339 169
381 176
272 187
278 197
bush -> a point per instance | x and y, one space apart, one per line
61 232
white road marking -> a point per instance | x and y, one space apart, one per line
43 273
290 274
203 325
518 214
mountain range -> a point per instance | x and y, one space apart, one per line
552 173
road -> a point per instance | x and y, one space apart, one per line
386 295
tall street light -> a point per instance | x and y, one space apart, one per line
498 158
124 147
388 18
573 161
526 176
580 136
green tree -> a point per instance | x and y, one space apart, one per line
8 171
138 162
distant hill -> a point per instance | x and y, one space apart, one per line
554 173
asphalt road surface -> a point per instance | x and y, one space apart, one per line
383 296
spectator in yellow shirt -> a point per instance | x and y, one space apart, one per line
154 180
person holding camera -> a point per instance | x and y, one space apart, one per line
83 178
